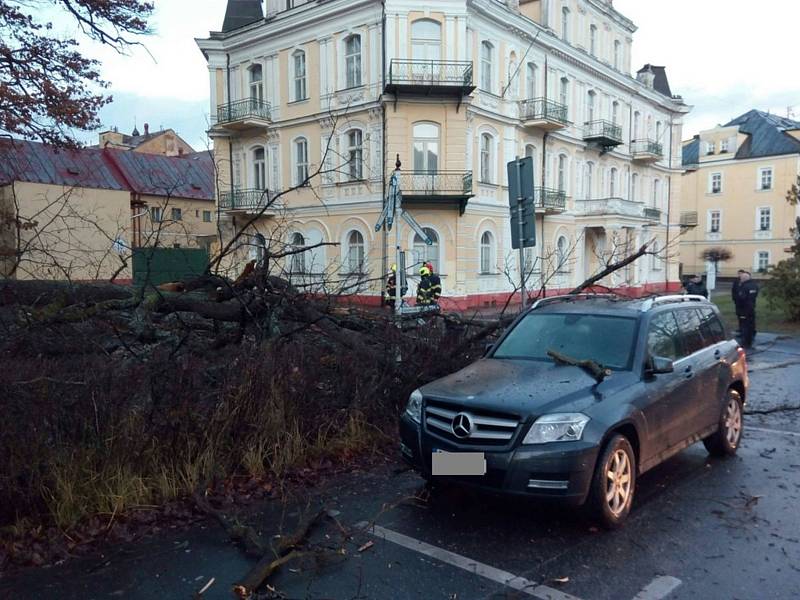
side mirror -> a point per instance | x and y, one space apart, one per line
660 366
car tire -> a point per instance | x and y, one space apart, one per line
725 441
613 483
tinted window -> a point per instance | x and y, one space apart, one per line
662 336
689 323
604 339
711 327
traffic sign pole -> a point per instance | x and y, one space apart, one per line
520 225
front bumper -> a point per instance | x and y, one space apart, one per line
561 471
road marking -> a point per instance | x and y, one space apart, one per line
462 562
659 588
778 431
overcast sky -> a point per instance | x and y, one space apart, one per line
723 56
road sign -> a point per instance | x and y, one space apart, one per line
416 227
520 192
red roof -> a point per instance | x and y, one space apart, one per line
190 176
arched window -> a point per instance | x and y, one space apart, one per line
487 66
617 55
426 147
298 261
589 181
561 254
426 40
258 248
530 151
593 40
259 169
565 24
256 84
301 161
355 155
299 75
425 253
531 75
562 173
352 60
487 171
487 251
612 183
590 106
355 252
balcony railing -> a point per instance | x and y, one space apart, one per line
243 110
431 74
544 110
436 183
247 199
652 214
604 132
610 206
646 149
550 199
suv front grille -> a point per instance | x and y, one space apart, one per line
489 428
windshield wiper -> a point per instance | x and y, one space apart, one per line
593 368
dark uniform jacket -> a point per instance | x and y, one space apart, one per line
424 291
745 297
436 288
696 289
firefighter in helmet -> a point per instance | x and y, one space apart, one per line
436 284
424 290
391 287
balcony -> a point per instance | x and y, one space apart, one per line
610 206
652 214
247 200
646 151
604 133
549 200
542 113
244 114
437 188
430 78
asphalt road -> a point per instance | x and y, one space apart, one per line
700 528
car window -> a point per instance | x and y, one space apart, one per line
689 324
607 340
662 336
711 327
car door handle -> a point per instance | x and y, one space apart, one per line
688 372
717 354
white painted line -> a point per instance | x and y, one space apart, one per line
462 562
659 588
776 431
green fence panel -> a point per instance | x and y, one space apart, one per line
154 266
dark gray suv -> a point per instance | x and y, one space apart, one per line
580 396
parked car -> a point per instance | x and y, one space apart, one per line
580 396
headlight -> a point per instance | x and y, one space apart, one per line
557 428
414 407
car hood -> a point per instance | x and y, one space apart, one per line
524 387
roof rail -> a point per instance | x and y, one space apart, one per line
566 297
651 302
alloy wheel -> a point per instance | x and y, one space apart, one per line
733 422
618 482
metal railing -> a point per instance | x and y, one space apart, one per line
602 129
436 183
610 206
244 109
245 199
550 199
654 214
646 147
541 109
430 72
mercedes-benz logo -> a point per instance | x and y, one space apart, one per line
462 425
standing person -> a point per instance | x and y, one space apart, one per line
391 287
436 284
424 291
745 300
696 287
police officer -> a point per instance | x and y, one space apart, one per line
745 300
424 289
696 287
436 284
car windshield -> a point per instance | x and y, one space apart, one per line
606 340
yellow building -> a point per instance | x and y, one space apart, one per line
734 193
333 92
164 141
79 214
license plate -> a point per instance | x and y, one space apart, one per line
460 464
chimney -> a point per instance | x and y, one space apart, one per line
646 76
147 128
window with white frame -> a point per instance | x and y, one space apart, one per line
589 181
617 55
297 263
258 248
532 72
300 161
710 147
426 40
658 131
256 83
562 255
637 124
593 40
513 76
299 75
656 192
765 218
565 24
715 183
355 252
714 221
487 251
562 173
177 214
355 155
590 105
487 66
724 146
155 214
352 60
426 147
259 169
765 178
762 261
612 183
635 186
563 94
487 172
425 253
615 112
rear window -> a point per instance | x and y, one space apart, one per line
711 327
607 340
